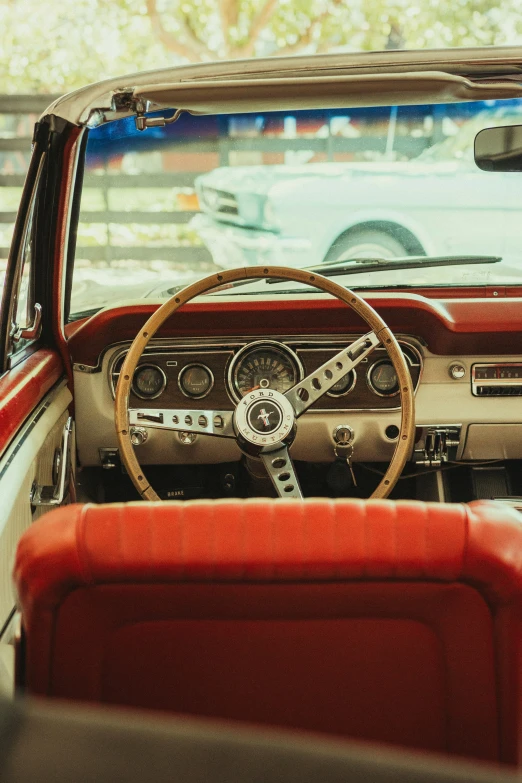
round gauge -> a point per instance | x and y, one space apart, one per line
264 366
382 378
343 385
195 380
149 381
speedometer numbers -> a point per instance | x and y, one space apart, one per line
264 366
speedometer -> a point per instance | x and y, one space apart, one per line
264 365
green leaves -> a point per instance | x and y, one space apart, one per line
56 46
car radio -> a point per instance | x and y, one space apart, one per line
497 379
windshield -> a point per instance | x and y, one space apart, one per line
164 207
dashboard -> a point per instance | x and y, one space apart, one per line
462 355
216 376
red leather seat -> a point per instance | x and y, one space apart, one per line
397 622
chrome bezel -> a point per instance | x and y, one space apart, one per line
476 383
336 396
256 438
149 396
233 388
194 396
370 369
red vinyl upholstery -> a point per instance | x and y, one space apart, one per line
390 621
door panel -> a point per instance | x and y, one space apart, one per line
21 389
28 458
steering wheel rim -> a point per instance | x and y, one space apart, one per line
379 330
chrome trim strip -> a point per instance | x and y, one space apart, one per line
200 422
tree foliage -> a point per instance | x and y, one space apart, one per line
58 46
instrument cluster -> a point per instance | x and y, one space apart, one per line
218 376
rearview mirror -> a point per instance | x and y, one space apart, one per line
499 149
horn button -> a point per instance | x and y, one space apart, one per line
264 418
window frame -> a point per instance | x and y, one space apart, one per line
25 220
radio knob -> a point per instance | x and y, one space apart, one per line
457 371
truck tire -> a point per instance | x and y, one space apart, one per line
367 243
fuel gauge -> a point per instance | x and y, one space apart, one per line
195 380
382 378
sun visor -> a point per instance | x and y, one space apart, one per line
339 92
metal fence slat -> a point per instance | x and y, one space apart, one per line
19 144
25 104
12 180
178 179
183 254
148 218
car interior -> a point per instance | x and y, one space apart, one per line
240 487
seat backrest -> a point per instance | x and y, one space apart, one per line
390 621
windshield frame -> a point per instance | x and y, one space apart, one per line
75 218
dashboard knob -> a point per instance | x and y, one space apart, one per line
457 371
187 438
138 435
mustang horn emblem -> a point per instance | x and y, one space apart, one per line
264 416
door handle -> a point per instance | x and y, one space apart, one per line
42 495
32 331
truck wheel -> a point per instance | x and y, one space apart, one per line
367 243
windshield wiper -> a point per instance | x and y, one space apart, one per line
355 266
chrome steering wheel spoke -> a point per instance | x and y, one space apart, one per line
280 468
310 389
218 423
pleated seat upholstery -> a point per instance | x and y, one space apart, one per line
390 621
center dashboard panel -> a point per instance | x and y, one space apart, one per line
216 376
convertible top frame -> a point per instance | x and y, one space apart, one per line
474 74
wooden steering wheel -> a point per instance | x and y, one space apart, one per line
264 422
